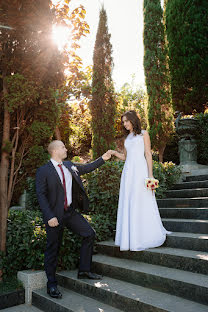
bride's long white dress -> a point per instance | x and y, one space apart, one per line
139 225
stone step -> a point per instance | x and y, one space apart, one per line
197 178
191 241
188 260
127 296
190 185
186 225
70 302
199 202
187 193
191 286
22 308
184 240
184 213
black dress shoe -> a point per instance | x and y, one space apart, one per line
89 275
54 292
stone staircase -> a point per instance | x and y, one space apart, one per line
169 278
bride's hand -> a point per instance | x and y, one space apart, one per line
112 152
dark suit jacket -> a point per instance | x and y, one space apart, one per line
50 191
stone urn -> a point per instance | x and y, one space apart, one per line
187 146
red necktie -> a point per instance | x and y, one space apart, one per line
64 185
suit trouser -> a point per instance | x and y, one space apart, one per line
75 222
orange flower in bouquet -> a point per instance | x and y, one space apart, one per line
151 183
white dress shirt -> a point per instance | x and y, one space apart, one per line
68 179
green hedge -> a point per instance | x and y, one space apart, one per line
168 174
31 198
26 235
102 186
26 240
171 150
10 284
202 138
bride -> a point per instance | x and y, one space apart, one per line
139 224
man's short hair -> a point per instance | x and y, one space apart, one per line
52 146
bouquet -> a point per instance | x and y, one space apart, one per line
151 183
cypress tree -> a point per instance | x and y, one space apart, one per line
160 114
102 106
187 33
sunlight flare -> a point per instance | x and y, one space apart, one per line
61 36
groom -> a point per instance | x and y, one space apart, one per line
60 191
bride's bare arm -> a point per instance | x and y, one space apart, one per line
148 153
119 155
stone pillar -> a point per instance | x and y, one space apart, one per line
187 145
31 280
188 151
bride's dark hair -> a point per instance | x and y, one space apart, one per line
135 121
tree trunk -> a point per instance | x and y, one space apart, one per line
4 169
161 152
12 165
57 133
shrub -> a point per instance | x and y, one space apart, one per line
168 174
10 284
102 186
26 240
31 197
26 235
171 150
76 159
202 138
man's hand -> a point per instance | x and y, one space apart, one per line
106 156
53 222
